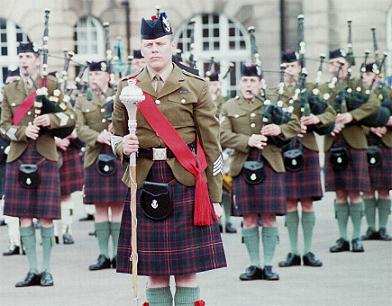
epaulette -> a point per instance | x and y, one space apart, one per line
132 76
187 73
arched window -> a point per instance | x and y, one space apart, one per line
89 41
10 35
219 37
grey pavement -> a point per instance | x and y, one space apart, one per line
346 279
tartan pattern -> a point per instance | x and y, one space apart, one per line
43 202
267 197
381 178
2 178
355 178
100 189
173 246
71 171
307 182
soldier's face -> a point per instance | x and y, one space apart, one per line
292 72
333 67
29 63
158 52
98 80
368 78
250 86
215 87
138 64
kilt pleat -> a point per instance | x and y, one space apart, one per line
307 182
173 246
100 189
355 177
71 171
267 197
42 202
381 177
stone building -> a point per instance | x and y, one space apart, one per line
219 29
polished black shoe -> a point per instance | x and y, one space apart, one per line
371 234
13 250
87 218
357 246
383 235
270 275
290 261
2 222
46 279
114 262
340 246
67 239
32 279
102 263
230 228
309 259
92 233
252 273
56 239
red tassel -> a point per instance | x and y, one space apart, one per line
146 304
153 17
200 303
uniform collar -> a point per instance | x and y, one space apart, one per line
249 106
164 74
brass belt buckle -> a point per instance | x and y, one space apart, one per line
159 154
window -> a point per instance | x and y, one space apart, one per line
10 35
219 37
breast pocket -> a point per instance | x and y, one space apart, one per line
179 109
91 113
239 122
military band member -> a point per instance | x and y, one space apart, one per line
188 249
36 195
302 186
102 172
262 192
380 174
346 169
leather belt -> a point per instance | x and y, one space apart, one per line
160 153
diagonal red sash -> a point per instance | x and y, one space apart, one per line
203 211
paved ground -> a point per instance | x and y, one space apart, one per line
346 279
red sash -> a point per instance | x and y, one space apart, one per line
23 108
204 213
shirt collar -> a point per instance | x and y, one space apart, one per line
164 73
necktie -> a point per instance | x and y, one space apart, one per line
158 83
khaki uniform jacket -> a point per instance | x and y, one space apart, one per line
353 134
186 102
14 95
90 123
239 120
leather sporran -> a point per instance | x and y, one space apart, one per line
253 172
339 158
374 156
293 160
106 164
156 200
29 176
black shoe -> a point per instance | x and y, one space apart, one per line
252 273
87 218
57 239
220 228
291 260
92 233
114 262
357 246
371 234
230 228
270 275
383 235
309 259
46 279
67 239
2 222
14 250
102 263
340 246
32 279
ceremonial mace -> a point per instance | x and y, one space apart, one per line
130 96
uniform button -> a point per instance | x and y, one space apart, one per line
236 116
102 110
29 113
87 110
253 125
103 120
158 102
183 101
253 115
13 104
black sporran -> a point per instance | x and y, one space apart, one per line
156 200
29 176
374 156
253 172
293 160
339 158
106 164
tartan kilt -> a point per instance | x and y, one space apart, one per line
2 179
42 202
101 190
307 182
355 178
381 177
267 197
173 246
71 171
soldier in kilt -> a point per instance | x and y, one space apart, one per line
181 243
215 88
380 173
71 179
102 172
38 195
304 185
242 130
346 169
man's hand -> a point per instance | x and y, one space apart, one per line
218 210
104 137
389 123
32 131
271 130
303 130
130 144
62 143
338 128
310 120
379 131
344 118
257 141
43 120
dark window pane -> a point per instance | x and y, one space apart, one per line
216 32
231 32
181 35
3 37
188 32
205 33
241 33
232 44
4 70
204 18
19 37
242 44
206 46
179 45
3 23
216 19
4 51
216 45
